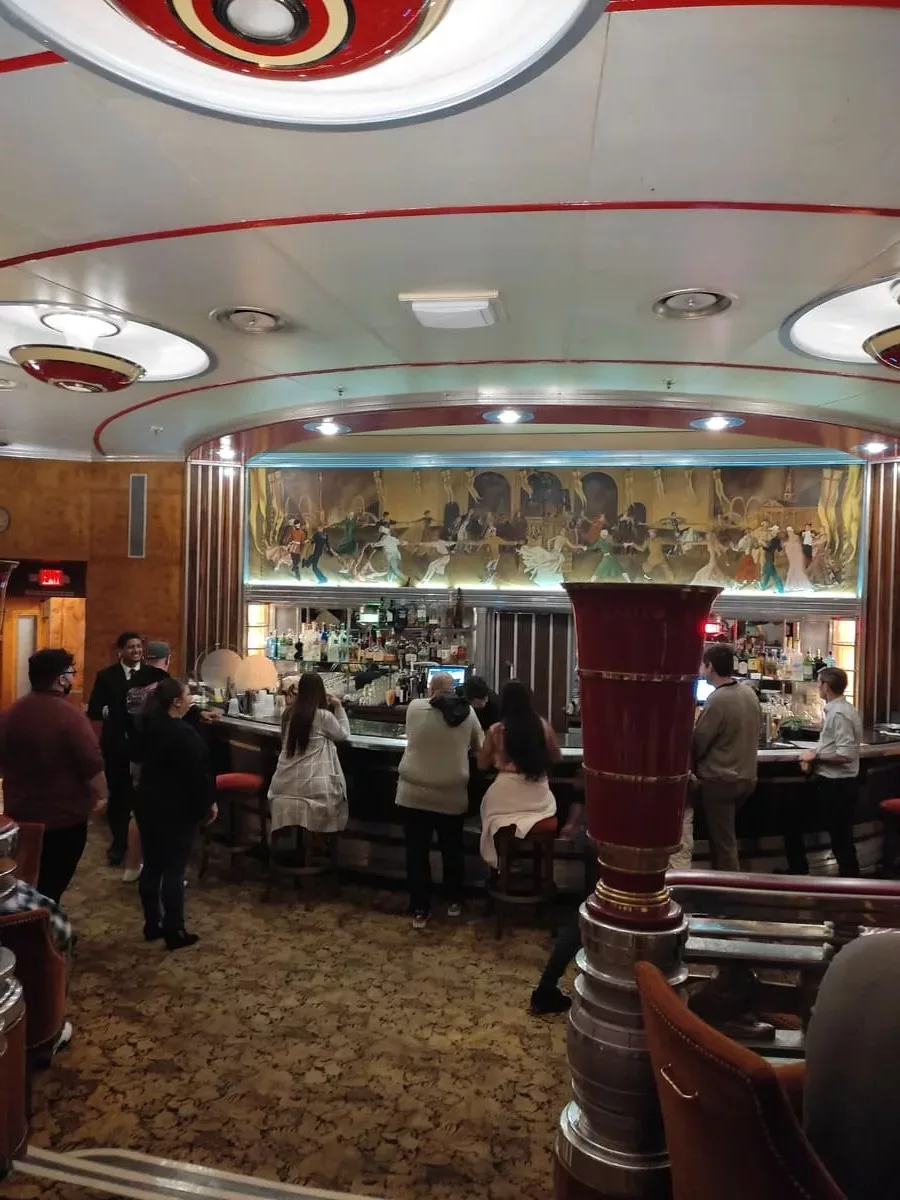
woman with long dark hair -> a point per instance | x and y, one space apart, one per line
176 792
520 748
308 788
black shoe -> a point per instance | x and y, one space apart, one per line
181 940
549 1000
152 933
790 871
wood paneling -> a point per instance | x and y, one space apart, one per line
79 510
535 648
880 693
214 592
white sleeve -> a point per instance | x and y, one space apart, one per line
336 726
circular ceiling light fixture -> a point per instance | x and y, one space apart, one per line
508 416
337 63
873 447
75 370
244 318
716 423
688 304
327 427
856 325
28 330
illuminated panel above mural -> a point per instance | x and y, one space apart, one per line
746 529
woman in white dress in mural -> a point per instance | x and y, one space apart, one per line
714 571
797 579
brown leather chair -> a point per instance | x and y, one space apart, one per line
28 855
730 1127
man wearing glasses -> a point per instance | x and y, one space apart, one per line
52 767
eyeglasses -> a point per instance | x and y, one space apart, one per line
70 671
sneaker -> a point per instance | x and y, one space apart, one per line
420 920
131 875
549 1000
454 911
65 1037
182 940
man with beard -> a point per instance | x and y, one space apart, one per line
52 767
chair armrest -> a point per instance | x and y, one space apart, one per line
791 1078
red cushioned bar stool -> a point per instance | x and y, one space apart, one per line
890 816
514 885
241 828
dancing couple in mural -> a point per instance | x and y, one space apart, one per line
766 529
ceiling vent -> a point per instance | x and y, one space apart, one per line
472 310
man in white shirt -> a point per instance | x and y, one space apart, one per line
835 765
433 791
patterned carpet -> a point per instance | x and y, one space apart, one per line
335 1047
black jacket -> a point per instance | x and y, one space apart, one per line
107 704
177 785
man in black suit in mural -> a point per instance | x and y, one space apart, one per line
106 710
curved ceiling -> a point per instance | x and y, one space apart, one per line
741 148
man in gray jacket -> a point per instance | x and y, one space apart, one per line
726 744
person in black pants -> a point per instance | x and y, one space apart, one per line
176 792
106 709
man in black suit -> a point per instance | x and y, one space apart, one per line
106 710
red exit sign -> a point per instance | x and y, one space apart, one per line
50 577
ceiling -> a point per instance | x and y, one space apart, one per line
747 149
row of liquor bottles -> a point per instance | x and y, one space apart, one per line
335 645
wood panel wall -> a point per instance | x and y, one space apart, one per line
79 511
215 571
536 648
880 693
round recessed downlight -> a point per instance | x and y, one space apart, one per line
716 423
508 416
873 447
327 427
81 328
243 318
264 20
688 303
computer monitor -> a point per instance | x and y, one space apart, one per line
703 689
458 674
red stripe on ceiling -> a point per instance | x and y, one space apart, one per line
453 210
477 362
25 62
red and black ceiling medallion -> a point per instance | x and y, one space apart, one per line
293 39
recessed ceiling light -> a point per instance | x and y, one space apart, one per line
268 21
227 452
244 318
873 447
884 347
716 423
689 303
327 427
856 325
81 328
508 416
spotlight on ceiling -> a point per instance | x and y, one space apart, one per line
244 318
227 452
81 328
327 427
873 447
716 423
508 416
686 304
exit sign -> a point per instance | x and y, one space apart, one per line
51 577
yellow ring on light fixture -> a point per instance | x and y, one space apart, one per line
338 19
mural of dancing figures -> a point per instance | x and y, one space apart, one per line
759 529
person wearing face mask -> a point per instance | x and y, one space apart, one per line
53 773
106 711
175 793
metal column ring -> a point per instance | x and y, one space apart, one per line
624 778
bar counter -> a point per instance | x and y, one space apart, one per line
372 845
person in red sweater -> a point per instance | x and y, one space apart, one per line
52 767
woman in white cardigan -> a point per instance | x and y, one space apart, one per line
308 788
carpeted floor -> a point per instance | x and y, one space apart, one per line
335 1047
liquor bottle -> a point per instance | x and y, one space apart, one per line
743 668
344 645
807 667
323 646
272 645
287 645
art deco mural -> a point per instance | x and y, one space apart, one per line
742 528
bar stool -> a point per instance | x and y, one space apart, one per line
890 816
240 793
514 887
314 858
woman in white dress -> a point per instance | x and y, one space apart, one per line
797 579
308 788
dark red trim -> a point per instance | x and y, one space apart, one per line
24 62
479 362
453 210
645 5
